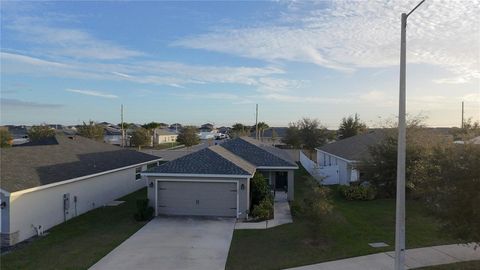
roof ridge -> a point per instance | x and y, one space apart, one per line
235 159
252 142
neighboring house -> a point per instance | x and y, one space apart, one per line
164 136
112 135
206 127
475 140
19 134
44 185
215 181
176 126
338 161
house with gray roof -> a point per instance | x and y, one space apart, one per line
215 181
43 184
338 160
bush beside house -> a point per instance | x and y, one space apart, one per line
262 200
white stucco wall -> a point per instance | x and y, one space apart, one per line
45 207
243 195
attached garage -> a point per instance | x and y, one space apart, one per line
215 181
197 198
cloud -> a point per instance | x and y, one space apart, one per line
65 42
354 34
235 99
10 102
91 93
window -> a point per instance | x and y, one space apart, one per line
138 170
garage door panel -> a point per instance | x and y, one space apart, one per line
197 198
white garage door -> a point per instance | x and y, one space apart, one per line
197 198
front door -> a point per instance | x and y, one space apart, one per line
281 182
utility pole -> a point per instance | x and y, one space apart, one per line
463 113
256 122
400 200
123 131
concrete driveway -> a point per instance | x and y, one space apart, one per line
174 243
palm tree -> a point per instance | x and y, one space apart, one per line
262 126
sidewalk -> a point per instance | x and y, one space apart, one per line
415 258
281 215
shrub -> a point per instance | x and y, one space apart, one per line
144 212
5 138
358 192
39 133
264 210
259 189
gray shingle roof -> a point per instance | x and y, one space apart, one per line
36 165
355 147
258 154
205 161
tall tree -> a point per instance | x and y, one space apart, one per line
5 138
351 126
151 126
450 186
292 136
140 137
92 131
312 134
39 133
262 126
188 136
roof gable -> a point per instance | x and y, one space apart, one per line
205 161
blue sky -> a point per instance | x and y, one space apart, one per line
196 62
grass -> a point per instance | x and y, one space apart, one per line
346 233
80 242
470 265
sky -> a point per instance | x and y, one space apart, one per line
196 62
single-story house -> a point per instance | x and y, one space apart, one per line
215 181
112 135
338 160
44 184
164 136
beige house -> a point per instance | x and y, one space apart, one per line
164 136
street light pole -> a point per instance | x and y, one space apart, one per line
401 153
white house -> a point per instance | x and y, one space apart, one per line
338 160
164 136
45 184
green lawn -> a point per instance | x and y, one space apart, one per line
80 242
346 233
471 265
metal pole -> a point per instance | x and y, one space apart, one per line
463 112
400 206
256 122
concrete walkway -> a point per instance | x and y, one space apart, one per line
415 258
281 215
173 243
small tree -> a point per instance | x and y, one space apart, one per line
274 135
140 137
292 136
39 133
239 130
5 138
91 131
188 136
351 126
258 188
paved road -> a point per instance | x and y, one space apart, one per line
415 258
174 243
